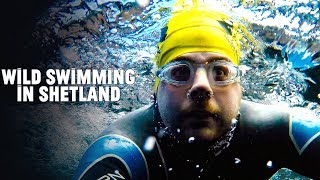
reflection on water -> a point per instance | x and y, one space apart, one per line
104 34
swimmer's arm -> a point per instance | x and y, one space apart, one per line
304 133
291 136
112 157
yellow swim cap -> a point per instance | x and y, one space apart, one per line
195 27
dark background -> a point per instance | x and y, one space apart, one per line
17 22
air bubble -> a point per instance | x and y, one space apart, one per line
237 160
191 140
149 144
113 31
143 3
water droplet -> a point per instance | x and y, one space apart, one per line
113 31
100 2
149 144
178 130
131 26
234 121
201 170
191 140
269 164
160 165
197 166
156 17
237 160
143 3
170 169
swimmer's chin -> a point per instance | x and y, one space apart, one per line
203 134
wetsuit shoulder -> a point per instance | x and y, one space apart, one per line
136 125
117 152
290 137
259 117
265 130
304 128
298 125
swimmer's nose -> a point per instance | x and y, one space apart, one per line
201 90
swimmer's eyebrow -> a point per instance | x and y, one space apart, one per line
191 59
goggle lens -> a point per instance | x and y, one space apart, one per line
181 72
223 72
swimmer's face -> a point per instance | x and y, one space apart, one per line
199 108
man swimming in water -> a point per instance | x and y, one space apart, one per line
199 127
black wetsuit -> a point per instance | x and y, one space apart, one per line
263 142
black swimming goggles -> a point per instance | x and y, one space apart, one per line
181 72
